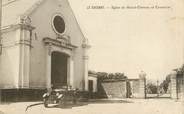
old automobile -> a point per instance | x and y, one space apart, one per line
62 96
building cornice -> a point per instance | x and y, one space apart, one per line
17 26
50 41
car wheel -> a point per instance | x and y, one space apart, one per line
74 100
45 103
62 102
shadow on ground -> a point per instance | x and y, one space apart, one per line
107 101
80 103
96 101
158 98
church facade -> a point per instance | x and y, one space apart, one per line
42 46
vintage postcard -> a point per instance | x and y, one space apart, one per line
92 57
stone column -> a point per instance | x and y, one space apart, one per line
70 71
24 65
48 65
174 85
85 47
142 85
85 60
24 43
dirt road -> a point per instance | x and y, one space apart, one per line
128 106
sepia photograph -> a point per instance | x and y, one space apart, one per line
91 57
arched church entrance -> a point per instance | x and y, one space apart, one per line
59 69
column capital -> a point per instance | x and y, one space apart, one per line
49 48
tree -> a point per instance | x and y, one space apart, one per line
108 76
102 75
151 88
165 83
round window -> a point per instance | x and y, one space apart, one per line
59 24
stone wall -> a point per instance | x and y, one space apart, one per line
173 85
129 88
115 89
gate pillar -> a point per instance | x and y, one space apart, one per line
142 85
174 85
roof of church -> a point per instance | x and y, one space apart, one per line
13 10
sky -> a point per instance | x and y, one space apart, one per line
131 40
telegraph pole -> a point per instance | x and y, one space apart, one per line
157 88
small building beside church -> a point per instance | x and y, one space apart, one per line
42 46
